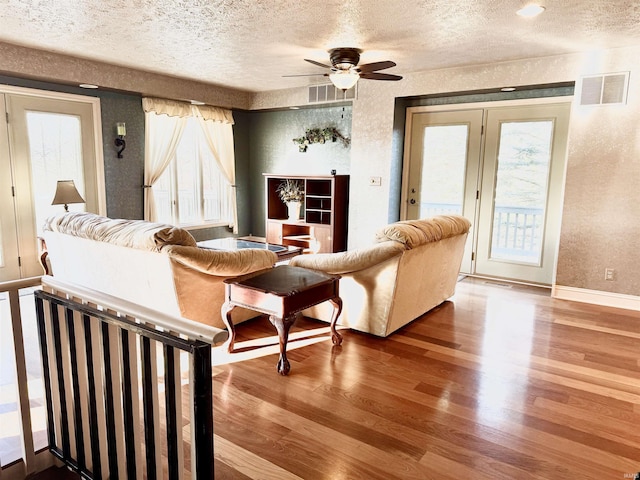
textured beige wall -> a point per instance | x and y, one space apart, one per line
53 67
601 217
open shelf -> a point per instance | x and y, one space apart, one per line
317 203
299 238
322 217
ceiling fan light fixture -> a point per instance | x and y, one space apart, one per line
531 10
344 79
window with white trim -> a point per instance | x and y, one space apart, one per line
192 190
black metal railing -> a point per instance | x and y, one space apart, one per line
105 395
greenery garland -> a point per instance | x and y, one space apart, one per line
320 135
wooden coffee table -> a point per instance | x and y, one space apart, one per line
281 292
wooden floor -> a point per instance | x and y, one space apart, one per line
502 382
499 383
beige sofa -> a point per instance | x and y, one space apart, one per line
151 264
412 268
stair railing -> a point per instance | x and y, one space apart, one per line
112 412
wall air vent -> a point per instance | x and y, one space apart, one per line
604 89
329 93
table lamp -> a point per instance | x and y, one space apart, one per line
66 193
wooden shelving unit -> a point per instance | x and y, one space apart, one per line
322 227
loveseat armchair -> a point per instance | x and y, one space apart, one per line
151 264
413 267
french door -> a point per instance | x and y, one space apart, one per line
44 138
503 169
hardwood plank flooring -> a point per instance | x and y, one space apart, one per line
501 382
498 383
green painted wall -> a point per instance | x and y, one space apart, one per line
271 149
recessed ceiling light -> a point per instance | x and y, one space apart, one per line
531 10
507 89
87 85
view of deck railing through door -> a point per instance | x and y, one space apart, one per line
517 231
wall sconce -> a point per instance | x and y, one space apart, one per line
121 131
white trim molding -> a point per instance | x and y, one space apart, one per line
596 297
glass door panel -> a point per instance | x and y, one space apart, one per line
522 177
55 147
444 160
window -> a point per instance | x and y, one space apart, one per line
192 189
189 164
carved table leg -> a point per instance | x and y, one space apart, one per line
336 338
225 311
283 326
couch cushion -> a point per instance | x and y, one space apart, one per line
127 233
413 233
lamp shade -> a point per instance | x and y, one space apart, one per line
66 193
344 79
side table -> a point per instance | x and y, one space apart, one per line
281 292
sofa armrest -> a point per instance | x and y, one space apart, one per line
349 261
222 263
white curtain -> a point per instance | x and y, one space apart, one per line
164 123
217 125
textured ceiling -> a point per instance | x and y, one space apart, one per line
250 44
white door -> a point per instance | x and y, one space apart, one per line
503 169
519 222
49 139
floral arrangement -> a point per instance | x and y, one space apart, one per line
291 190
320 135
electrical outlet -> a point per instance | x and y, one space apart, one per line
375 181
609 274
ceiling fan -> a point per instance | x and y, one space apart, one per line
345 71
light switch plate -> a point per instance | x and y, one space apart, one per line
375 181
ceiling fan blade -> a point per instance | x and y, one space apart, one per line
380 76
317 63
308 75
370 67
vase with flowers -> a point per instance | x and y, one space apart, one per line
291 193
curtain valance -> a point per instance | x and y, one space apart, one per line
216 114
174 108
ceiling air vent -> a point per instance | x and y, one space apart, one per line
604 89
329 93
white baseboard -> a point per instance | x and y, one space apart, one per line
597 297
